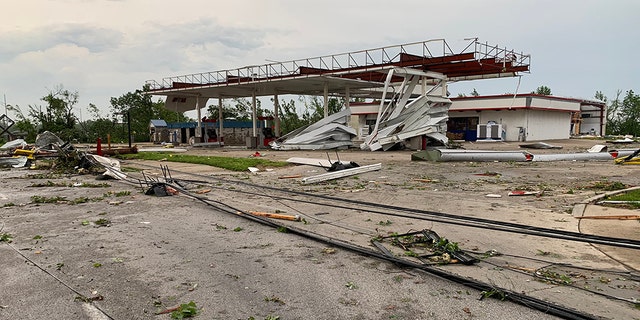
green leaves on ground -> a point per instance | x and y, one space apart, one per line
185 310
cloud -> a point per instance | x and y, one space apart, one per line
94 39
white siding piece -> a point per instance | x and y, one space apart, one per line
312 162
341 173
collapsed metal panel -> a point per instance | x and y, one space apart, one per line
329 133
400 119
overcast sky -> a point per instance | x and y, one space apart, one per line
106 48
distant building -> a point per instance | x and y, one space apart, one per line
525 117
158 131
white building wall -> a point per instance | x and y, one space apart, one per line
548 125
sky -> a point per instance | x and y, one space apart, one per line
107 48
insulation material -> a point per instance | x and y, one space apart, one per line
329 133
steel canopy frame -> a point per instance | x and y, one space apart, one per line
358 73
363 69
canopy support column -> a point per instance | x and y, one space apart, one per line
198 136
220 122
276 113
326 99
254 117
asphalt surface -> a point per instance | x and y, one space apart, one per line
149 253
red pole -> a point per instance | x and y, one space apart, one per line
99 147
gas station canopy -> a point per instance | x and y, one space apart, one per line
353 74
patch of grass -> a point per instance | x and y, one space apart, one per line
97 265
103 222
274 299
237 229
40 199
553 277
633 195
606 186
37 237
185 310
94 185
229 163
282 229
6 237
10 204
49 183
350 285
48 175
84 200
493 293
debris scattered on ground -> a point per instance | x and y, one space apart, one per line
523 193
329 133
539 145
273 215
341 173
402 118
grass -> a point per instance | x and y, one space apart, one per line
229 163
633 195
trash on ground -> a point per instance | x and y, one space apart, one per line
523 193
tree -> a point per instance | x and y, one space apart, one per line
474 93
98 127
629 114
289 118
240 110
543 90
57 116
140 109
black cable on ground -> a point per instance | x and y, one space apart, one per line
541 305
84 298
530 302
458 220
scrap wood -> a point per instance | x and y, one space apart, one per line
165 311
532 270
427 180
616 217
203 191
273 215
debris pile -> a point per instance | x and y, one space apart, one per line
331 132
400 119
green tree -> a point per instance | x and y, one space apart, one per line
289 117
99 126
57 116
138 108
240 109
629 114
543 90
474 93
